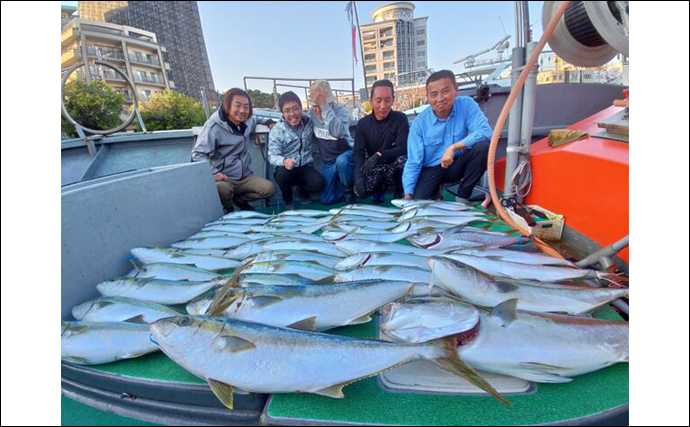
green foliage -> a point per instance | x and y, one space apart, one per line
261 99
94 106
171 110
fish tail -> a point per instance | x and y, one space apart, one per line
221 301
453 363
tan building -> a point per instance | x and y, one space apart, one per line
553 69
395 45
134 51
95 10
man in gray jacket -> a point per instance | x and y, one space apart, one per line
223 142
290 151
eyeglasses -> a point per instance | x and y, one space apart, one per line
293 110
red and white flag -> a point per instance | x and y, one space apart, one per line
351 10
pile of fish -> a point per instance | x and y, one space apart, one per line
451 292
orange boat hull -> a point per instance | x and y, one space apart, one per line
586 181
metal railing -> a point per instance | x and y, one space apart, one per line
144 60
275 81
146 79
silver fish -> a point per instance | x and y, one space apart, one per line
322 248
545 348
88 343
167 271
479 289
225 242
231 353
294 255
422 223
307 307
245 214
383 259
521 257
424 319
306 269
462 237
168 292
211 263
373 208
363 213
387 272
250 279
352 247
239 221
117 309
308 229
520 271
252 248
305 212
230 228
374 226
382 236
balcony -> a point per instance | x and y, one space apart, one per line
105 54
152 61
157 81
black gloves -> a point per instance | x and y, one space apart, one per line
369 164
360 187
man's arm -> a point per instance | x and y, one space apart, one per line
204 145
402 127
359 151
275 147
337 121
415 159
478 126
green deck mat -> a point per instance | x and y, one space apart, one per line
367 403
74 413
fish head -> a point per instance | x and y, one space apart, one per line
174 334
425 240
353 261
402 227
80 311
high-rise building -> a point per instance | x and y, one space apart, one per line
134 51
395 45
67 14
178 27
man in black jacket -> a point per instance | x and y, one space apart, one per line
380 149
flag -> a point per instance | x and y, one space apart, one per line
350 16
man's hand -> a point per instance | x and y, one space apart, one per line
360 187
408 196
447 158
289 164
318 111
318 97
369 164
220 177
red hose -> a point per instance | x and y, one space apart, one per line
502 120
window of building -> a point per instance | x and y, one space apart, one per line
421 42
421 32
421 52
388 66
370 69
370 58
389 76
389 54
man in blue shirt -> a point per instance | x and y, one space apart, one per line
448 142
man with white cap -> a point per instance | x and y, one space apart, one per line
332 132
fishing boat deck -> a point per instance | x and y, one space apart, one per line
596 398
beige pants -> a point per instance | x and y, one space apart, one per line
247 190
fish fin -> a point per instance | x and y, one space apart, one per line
224 392
138 265
261 301
506 311
325 281
133 355
233 344
75 360
505 287
139 318
454 364
454 229
334 391
308 324
539 373
177 255
361 319
217 306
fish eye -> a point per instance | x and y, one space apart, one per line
185 321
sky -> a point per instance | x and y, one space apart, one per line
313 39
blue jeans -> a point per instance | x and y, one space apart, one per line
337 174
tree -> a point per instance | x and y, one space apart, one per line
261 99
94 106
171 110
